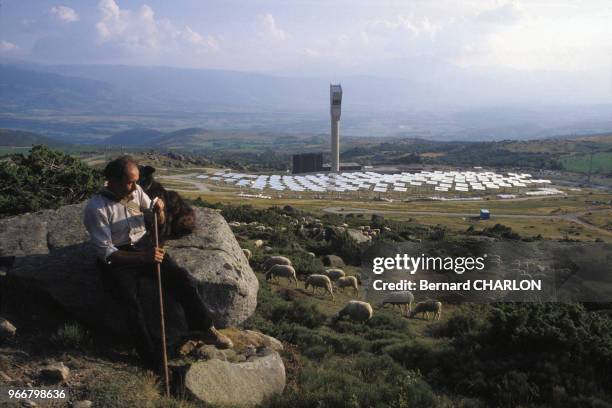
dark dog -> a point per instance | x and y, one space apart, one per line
180 217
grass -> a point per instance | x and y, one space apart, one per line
581 163
138 389
174 184
575 202
547 228
70 336
602 219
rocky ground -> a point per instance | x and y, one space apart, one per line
98 372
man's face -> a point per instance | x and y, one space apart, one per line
125 186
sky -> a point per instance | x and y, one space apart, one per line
373 37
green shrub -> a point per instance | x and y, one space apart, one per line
462 325
297 312
44 179
501 231
70 336
522 354
366 381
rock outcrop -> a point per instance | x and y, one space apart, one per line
246 384
333 261
54 260
7 329
244 376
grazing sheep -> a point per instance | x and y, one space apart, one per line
348 281
335 273
285 271
247 253
312 254
258 243
402 299
426 307
356 310
276 260
319 281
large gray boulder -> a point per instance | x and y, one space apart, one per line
333 261
54 260
247 384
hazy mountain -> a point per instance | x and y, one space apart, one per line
85 102
135 137
24 89
19 138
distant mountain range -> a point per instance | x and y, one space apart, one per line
135 137
81 103
19 138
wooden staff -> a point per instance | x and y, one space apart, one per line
161 311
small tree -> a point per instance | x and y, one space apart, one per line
44 179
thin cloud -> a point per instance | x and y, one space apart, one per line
64 14
268 26
6 46
141 32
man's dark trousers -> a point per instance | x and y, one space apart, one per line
122 280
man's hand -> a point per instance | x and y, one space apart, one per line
159 209
155 255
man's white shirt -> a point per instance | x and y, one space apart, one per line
111 223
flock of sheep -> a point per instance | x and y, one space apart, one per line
277 267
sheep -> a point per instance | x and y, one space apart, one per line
276 260
348 281
319 281
334 273
356 310
286 271
428 306
402 299
247 253
258 243
312 254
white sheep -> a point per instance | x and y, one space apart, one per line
348 281
285 271
335 273
312 254
276 260
356 310
258 243
426 307
403 299
319 281
247 253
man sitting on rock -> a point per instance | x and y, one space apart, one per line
115 221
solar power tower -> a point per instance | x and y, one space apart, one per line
335 102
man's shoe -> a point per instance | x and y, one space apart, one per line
214 337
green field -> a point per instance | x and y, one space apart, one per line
602 163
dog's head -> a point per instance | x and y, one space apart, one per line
185 222
146 177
